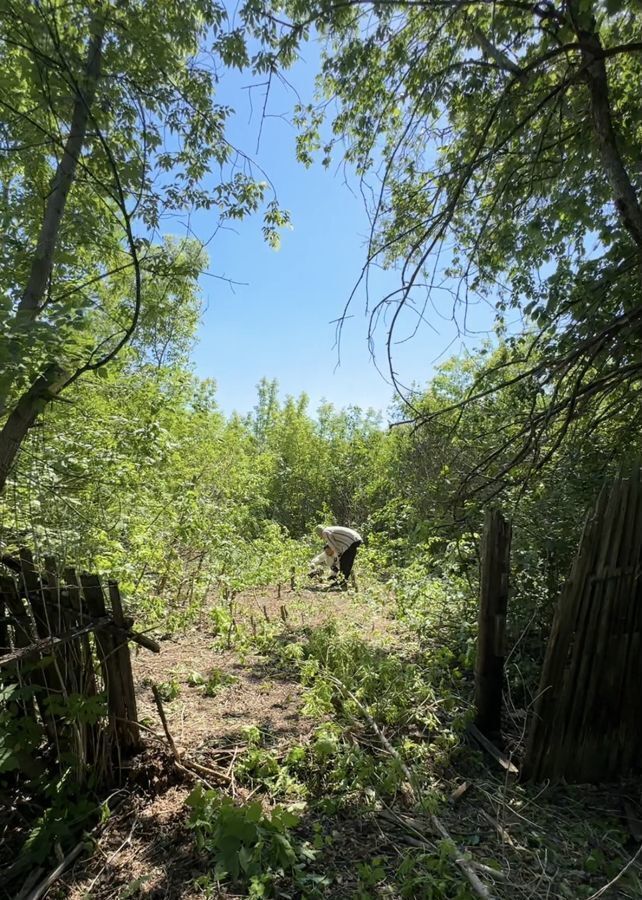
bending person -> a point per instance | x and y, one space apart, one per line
345 542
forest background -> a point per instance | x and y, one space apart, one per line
122 461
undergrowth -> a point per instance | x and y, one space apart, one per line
411 683
342 773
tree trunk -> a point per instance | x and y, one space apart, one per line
32 300
25 413
596 78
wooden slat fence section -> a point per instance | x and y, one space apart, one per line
57 634
587 722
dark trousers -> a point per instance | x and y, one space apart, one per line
346 560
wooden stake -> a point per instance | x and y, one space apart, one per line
128 731
489 665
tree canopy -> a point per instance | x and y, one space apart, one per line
498 148
110 126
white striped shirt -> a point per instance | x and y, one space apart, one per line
340 538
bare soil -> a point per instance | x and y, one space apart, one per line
147 850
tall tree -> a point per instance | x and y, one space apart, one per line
108 124
498 144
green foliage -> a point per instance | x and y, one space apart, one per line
70 808
169 690
246 845
20 735
432 876
370 875
394 691
216 679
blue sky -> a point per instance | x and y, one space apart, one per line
279 322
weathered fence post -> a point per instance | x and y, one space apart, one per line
119 689
129 732
71 592
489 665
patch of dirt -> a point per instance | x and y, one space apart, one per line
147 850
256 696
195 718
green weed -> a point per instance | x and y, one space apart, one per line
169 690
252 849
217 679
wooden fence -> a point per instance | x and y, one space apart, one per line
587 722
64 643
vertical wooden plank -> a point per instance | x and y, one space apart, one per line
32 591
58 622
489 664
22 629
128 730
81 674
5 644
52 595
48 677
83 661
118 712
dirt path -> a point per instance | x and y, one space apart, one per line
257 692
147 851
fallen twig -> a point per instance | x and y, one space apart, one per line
490 748
459 792
46 883
473 879
606 887
182 764
501 831
426 845
32 879
163 718
113 856
71 857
